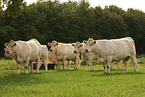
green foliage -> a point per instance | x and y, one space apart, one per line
69 22
110 23
72 83
135 19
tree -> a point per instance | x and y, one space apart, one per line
135 19
110 24
14 6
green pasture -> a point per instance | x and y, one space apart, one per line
72 83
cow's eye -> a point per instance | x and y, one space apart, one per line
91 44
7 52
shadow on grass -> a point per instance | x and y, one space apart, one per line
25 79
102 70
67 70
119 73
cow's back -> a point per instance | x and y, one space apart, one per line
66 50
118 48
35 48
30 49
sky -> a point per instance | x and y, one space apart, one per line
124 4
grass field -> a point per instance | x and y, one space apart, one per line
73 83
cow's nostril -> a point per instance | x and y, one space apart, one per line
50 50
75 51
84 63
86 50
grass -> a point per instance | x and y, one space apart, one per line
74 83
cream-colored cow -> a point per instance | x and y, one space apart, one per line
113 50
44 57
64 52
24 52
88 57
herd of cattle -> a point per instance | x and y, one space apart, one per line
105 51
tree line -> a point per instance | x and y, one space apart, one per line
69 22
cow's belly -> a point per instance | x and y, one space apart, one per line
119 58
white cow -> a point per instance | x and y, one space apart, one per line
44 56
113 50
64 52
14 57
24 52
80 48
52 58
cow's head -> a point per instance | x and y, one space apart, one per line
51 56
53 45
89 45
9 50
77 47
7 54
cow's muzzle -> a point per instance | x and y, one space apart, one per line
84 63
50 50
86 50
75 51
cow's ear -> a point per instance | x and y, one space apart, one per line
94 42
85 41
14 45
49 43
80 45
57 43
6 44
73 44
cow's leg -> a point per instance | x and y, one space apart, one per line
77 61
134 63
118 65
64 63
45 63
126 65
59 68
105 68
112 64
90 64
18 66
109 61
57 65
31 67
69 61
75 64
26 64
38 65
